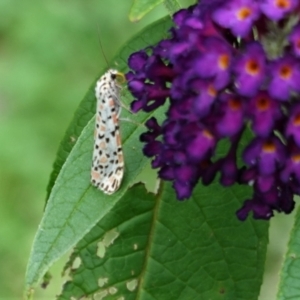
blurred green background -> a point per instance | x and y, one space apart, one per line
49 56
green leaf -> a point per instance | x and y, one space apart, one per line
154 247
289 275
74 206
141 7
172 6
86 110
81 117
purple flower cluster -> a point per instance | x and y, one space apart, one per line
228 66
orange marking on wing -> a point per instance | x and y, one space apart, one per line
102 145
102 128
115 119
111 102
95 175
103 159
120 158
118 138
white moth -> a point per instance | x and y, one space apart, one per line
108 162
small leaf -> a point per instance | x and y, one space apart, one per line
154 247
74 206
141 7
289 275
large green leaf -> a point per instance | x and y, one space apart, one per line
289 287
74 206
154 247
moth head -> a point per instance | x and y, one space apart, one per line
118 76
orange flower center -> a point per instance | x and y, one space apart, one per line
296 158
297 44
223 61
234 104
244 13
263 103
296 120
207 134
283 4
211 91
252 67
269 147
285 72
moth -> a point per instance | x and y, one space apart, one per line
108 160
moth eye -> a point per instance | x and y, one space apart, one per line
120 77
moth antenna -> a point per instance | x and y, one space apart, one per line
101 47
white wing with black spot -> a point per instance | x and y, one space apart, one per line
108 161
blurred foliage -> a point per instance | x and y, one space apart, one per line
49 56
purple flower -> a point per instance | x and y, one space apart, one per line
277 9
285 77
293 125
199 144
231 118
266 155
294 39
263 112
219 75
238 15
206 94
214 61
262 204
250 70
292 168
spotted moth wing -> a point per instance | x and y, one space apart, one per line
108 161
